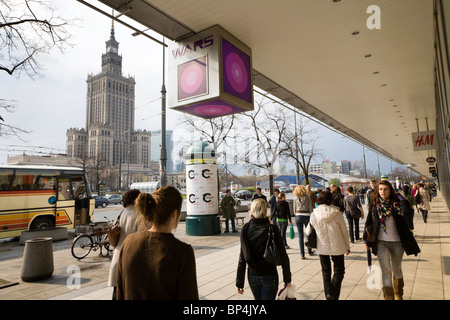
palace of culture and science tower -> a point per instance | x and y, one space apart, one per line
110 104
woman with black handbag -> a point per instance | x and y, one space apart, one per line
262 249
332 242
353 212
388 234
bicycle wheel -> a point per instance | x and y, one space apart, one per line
81 246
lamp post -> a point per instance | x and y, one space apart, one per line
163 157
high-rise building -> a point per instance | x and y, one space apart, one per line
110 101
346 167
156 148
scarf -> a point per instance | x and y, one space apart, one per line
385 210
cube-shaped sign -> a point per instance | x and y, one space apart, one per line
210 74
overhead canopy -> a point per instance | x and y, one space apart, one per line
320 56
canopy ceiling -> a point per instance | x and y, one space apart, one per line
320 56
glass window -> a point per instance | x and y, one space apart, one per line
79 187
33 180
64 192
5 178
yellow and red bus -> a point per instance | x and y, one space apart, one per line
36 197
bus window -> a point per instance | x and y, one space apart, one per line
46 183
64 192
79 187
29 180
5 179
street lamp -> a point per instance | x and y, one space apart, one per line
163 156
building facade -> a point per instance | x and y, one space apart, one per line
156 148
110 103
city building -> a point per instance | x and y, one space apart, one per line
110 103
156 148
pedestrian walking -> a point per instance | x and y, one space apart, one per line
302 208
332 243
408 203
387 234
273 206
424 204
153 264
129 223
262 275
284 216
259 195
353 212
373 186
338 197
229 213
312 195
362 195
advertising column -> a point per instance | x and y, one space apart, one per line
201 191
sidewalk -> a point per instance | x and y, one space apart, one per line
427 276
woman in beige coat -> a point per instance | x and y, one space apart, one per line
332 242
129 223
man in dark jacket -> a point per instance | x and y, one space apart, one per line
259 195
227 204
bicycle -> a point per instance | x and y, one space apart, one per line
92 237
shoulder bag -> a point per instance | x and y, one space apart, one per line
311 240
114 232
271 253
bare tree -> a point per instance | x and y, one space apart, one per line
6 128
214 130
95 169
28 29
268 128
299 143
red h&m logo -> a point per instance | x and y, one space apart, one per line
424 140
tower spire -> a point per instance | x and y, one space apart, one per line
112 26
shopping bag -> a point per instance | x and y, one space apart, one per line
287 293
292 232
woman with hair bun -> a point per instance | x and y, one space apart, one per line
153 264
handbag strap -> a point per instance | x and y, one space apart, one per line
118 217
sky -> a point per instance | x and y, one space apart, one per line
50 105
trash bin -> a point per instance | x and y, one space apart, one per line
37 261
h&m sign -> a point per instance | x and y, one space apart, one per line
425 140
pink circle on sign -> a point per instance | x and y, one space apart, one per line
236 72
213 110
191 79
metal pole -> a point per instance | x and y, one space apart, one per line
379 172
365 168
297 168
163 158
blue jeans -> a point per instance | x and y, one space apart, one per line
301 221
264 287
233 227
283 228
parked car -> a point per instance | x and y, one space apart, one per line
285 189
115 198
243 194
100 201
222 194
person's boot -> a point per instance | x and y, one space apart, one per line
388 293
398 289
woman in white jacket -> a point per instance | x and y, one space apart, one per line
332 240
